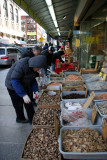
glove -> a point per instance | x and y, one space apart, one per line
26 99
36 95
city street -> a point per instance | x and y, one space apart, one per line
12 134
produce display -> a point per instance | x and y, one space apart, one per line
77 118
83 140
42 144
101 96
72 77
45 116
103 108
74 96
49 100
73 106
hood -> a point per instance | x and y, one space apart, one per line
37 61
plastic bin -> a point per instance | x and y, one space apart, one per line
97 94
70 92
98 120
96 104
81 155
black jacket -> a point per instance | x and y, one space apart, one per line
48 57
57 56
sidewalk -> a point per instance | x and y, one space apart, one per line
12 134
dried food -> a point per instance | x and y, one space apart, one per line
42 145
45 116
49 100
74 96
101 96
71 77
73 106
75 118
103 108
55 84
83 140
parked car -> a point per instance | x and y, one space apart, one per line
9 55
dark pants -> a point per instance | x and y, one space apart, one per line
18 105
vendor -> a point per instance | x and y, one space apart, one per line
57 56
19 82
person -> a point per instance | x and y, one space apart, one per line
48 53
57 56
19 82
45 46
31 52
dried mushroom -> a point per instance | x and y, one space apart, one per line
45 116
49 100
42 145
103 108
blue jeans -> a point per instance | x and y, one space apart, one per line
53 66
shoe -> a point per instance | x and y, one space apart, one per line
22 121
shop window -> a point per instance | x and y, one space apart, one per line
11 12
16 16
5 8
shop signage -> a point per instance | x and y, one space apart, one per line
31 33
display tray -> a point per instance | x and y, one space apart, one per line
40 139
97 86
45 105
70 92
87 72
98 94
67 73
96 104
98 119
81 155
54 87
90 75
73 86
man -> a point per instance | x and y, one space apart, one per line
45 46
57 55
19 82
32 52
48 53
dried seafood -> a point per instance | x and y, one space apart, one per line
101 96
71 77
83 140
74 96
103 108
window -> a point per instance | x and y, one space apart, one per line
11 12
5 8
16 16
11 50
2 51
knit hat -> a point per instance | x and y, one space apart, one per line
37 61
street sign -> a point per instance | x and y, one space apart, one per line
41 39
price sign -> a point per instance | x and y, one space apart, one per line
104 77
94 113
104 130
89 100
100 74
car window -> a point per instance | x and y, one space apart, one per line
2 51
11 50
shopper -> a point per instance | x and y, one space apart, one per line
19 82
32 52
48 53
57 56
45 46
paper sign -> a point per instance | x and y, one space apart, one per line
77 42
94 113
56 123
104 130
100 74
104 77
89 100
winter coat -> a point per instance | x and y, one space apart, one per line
48 57
21 76
57 56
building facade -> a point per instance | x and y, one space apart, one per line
32 30
10 20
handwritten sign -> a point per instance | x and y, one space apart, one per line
89 100
94 114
